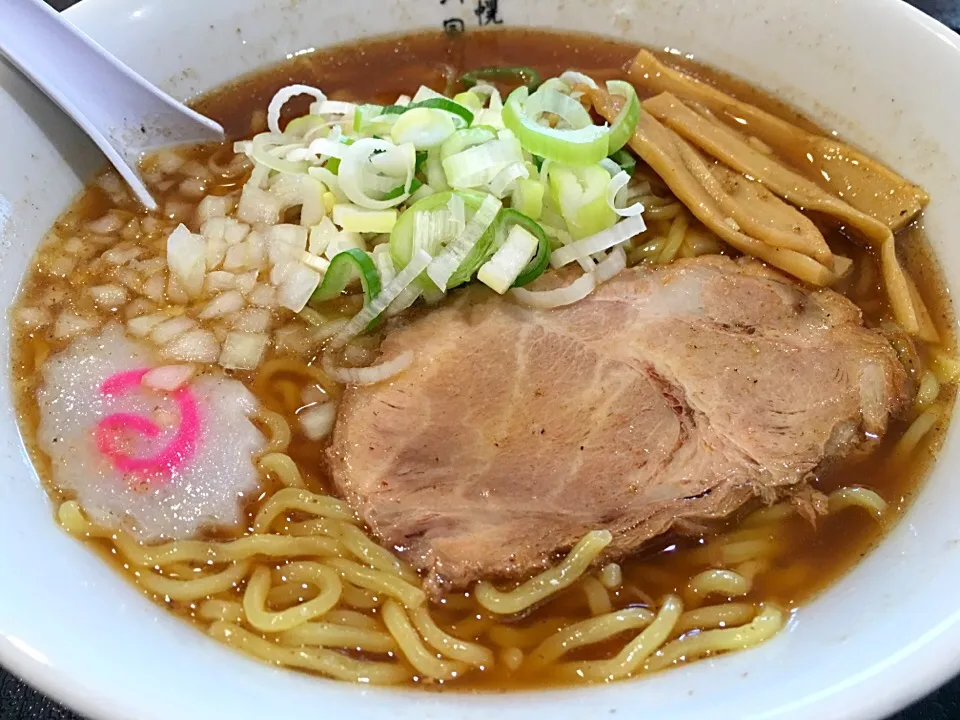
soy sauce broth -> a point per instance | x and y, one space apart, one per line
379 70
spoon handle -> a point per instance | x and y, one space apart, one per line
123 113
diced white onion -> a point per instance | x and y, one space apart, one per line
418 263
214 206
317 422
69 325
321 235
283 240
247 281
108 296
187 259
170 329
547 299
342 241
34 317
447 262
254 320
603 240
175 292
223 304
194 346
263 296
168 377
243 350
235 232
218 281
297 287
258 206
367 375
167 162
141 326
122 254
499 272
282 97
109 223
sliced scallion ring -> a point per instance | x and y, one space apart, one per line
583 146
344 269
357 163
466 138
402 235
625 159
626 120
260 152
424 128
537 266
580 194
437 103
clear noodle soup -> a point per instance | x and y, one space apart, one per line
311 589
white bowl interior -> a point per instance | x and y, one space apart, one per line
875 70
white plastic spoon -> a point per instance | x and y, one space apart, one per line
121 112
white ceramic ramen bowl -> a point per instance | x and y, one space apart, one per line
877 71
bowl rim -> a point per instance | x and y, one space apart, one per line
917 670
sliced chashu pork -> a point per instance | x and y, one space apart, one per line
667 397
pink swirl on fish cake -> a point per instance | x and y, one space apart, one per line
113 428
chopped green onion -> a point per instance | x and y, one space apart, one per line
372 309
476 166
465 139
361 220
573 78
433 169
501 270
436 103
424 93
422 127
302 125
469 100
520 74
509 218
260 153
463 256
421 159
399 190
570 113
626 121
528 198
580 194
625 159
344 269
583 146
403 234
603 240
363 159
